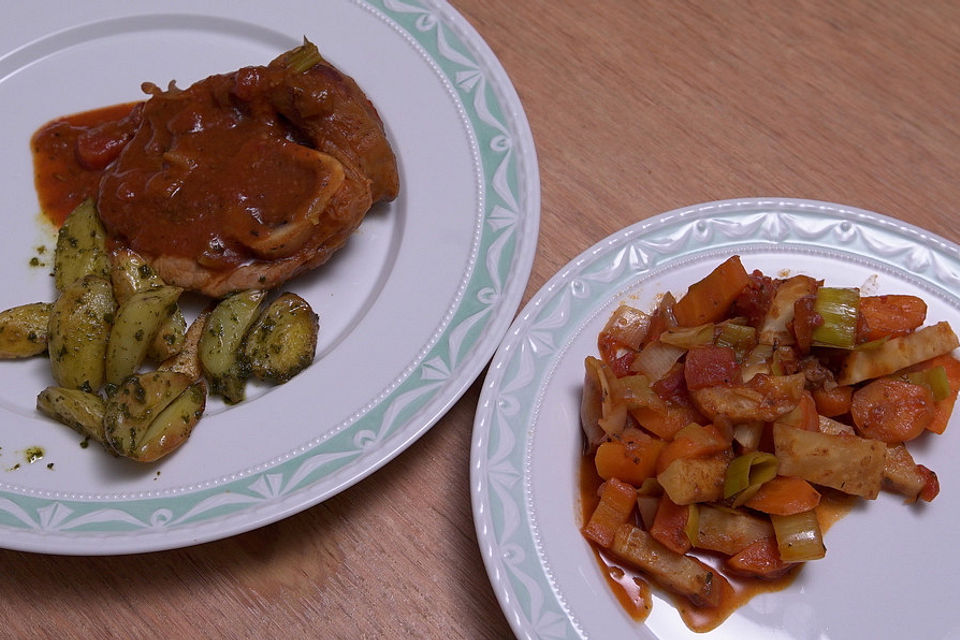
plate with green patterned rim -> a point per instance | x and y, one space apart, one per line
410 310
525 453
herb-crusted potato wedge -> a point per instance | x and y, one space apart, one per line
137 423
187 360
80 323
23 330
131 274
283 340
81 247
79 410
138 320
221 342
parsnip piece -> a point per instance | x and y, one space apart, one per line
690 480
681 574
729 531
898 353
82 411
80 322
847 463
23 330
81 247
222 341
283 340
138 320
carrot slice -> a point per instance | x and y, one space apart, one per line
784 496
888 316
891 410
943 409
693 441
670 525
631 461
833 402
709 299
617 500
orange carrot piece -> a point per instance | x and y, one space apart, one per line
759 560
670 525
617 500
693 441
709 299
804 415
942 409
834 402
888 316
891 410
665 421
784 496
631 461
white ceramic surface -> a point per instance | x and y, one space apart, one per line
411 310
889 569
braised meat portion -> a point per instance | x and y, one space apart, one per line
244 179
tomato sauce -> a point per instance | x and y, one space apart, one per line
62 180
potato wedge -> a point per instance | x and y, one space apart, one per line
222 340
23 330
173 425
81 247
131 274
187 360
80 323
283 340
82 411
138 320
130 414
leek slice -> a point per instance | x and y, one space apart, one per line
839 308
934 378
799 538
741 338
746 473
686 337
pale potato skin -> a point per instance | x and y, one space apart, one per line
81 247
78 330
134 406
23 330
222 340
79 410
283 340
131 274
138 320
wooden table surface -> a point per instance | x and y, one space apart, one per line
636 107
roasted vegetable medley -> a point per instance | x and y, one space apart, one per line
717 424
113 314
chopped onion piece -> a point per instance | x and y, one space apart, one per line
656 359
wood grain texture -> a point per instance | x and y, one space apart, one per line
637 107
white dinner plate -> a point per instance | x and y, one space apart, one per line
890 568
411 309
